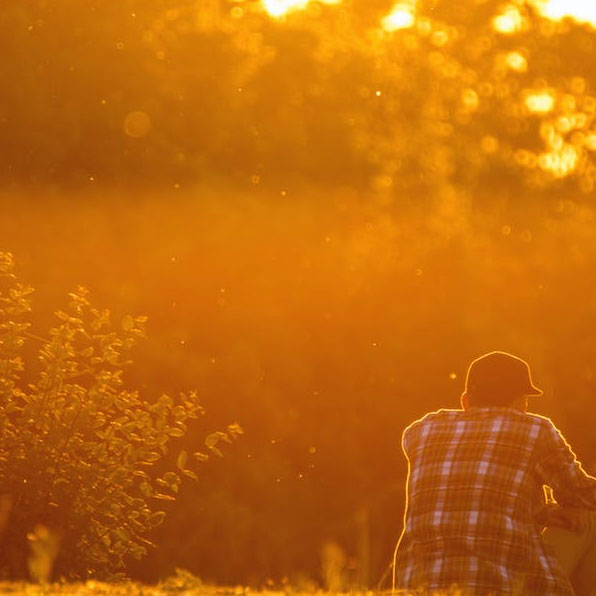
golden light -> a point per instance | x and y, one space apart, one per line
401 17
489 144
580 10
137 124
509 21
560 163
516 61
279 8
470 99
541 102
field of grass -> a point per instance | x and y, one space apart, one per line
96 588
167 588
183 583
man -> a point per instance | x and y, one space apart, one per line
476 499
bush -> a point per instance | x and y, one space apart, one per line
78 449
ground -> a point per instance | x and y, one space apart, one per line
167 588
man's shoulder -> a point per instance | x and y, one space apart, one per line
545 426
477 424
431 418
541 422
448 416
443 413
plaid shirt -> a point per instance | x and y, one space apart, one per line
475 492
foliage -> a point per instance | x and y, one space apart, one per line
325 95
78 450
182 582
173 586
326 323
97 588
368 210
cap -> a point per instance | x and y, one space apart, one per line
500 372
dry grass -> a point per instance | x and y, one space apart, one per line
96 588
168 588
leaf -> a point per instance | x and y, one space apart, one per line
171 478
163 497
123 534
214 438
200 456
152 456
156 518
190 474
176 432
128 323
182 459
216 451
235 430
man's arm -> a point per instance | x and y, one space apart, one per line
570 518
559 468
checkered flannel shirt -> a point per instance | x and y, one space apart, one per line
475 493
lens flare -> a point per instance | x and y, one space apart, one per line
516 61
279 8
561 162
580 10
509 21
541 102
401 17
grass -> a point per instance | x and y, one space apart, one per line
96 588
168 588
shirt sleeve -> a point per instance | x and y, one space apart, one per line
405 440
409 439
558 468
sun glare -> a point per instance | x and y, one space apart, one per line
509 21
541 102
580 10
516 61
279 8
401 17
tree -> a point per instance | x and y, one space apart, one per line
77 448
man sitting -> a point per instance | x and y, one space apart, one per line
476 507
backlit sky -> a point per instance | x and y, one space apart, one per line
581 10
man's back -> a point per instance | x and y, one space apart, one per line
475 493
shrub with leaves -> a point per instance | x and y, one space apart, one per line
78 449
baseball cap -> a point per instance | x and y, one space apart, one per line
500 372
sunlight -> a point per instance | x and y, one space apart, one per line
401 17
279 8
516 61
560 162
509 21
580 10
541 102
